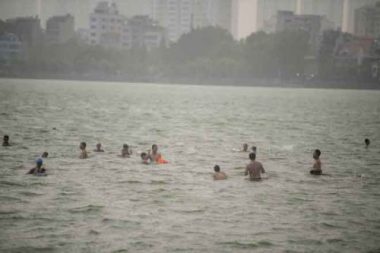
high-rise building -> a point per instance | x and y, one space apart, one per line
367 21
27 29
106 25
11 48
348 24
180 16
59 29
314 25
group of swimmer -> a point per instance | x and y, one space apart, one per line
152 156
254 169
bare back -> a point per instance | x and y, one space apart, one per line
254 169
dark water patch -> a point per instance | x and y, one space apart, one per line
306 242
191 211
247 245
86 209
158 182
120 251
141 245
11 183
30 194
329 225
117 223
93 232
130 182
11 199
334 240
31 250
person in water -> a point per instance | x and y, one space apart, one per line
245 147
45 154
367 142
83 154
254 149
254 168
99 148
38 169
6 141
317 166
156 156
219 175
145 158
126 151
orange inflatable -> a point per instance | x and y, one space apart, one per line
161 160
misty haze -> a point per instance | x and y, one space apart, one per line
189 125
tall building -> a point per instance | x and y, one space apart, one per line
106 25
143 32
11 48
59 29
180 16
27 29
332 9
349 7
367 21
314 25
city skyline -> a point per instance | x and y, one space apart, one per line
247 16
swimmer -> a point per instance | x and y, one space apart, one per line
245 147
254 149
254 168
83 154
6 141
38 169
317 166
219 175
366 141
99 148
155 156
126 152
145 158
45 154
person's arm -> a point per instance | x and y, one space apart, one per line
262 169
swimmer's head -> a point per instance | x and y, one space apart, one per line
45 154
39 162
98 146
252 156
154 148
125 146
254 149
316 154
245 147
216 168
367 142
82 145
143 155
6 138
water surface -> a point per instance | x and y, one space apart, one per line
110 204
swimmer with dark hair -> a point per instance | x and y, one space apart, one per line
317 166
254 149
38 170
6 141
145 158
45 154
126 151
245 147
83 154
156 156
98 148
254 168
219 175
367 142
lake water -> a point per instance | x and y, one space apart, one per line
110 204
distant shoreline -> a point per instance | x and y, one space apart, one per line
243 82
